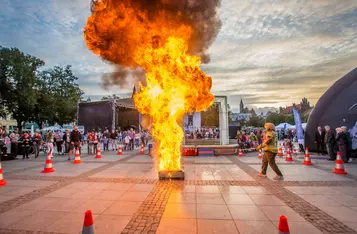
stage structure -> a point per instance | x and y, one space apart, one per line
110 114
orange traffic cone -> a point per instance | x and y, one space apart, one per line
307 160
260 154
340 168
88 223
240 154
288 156
48 166
142 149
280 151
2 181
120 150
98 154
295 153
283 225
77 157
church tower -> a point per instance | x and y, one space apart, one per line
241 106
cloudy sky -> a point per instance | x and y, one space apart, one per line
268 52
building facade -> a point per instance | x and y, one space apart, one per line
8 123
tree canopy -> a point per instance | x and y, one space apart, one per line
32 95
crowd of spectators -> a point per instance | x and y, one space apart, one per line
65 141
202 133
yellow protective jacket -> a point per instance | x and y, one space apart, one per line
270 142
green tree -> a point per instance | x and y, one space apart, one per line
242 122
230 121
110 97
290 119
18 77
256 121
58 94
276 118
210 117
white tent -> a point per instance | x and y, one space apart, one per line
303 126
284 125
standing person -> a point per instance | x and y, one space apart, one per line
270 147
50 142
137 140
95 140
37 143
259 135
330 142
3 147
319 140
90 141
105 139
59 141
349 141
75 138
113 140
132 138
14 138
342 141
105 143
67 142
25 139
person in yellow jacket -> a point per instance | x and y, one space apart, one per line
270 147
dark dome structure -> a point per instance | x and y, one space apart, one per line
336 107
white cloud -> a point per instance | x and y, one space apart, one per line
268 52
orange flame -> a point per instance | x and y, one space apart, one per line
175 83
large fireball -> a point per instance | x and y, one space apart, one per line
157 37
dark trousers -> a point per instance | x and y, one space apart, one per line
25 151
330 151
343 152
131 144
106 146
13 149
67 146
269 158
3 149
59 146
320 148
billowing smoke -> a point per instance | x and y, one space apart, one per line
117 28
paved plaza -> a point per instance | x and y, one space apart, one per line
219 195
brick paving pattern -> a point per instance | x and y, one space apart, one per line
148 216
321 220
15 202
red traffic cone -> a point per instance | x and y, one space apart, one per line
120 150
283 225
77 157
307 160
288 156
98 154
280 152
88 223
240 154
260 154
142 149
48 165
2 181
340 168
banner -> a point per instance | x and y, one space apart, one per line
298 126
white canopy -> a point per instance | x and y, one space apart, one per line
282 126
303 126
